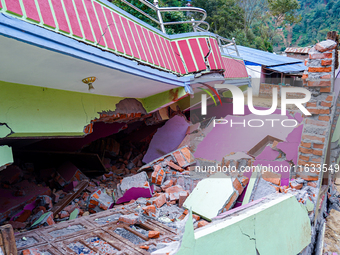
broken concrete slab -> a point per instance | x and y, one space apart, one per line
167 138
133 187
210 196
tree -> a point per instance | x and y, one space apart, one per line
284 11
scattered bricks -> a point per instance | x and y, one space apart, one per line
238 186
167 184
317 152
145 247
174 192
318 146
45 220
170 203
182 197
63 214
156 169
202 223
180 159
148 210
295 185
160 200
319 69
308 177
307 145
160 177
325 90
320 55
153 234
325 45
174 166
327 62
313 138
312 184
100 200
326 104
324 118
274 178
70 208
129 219
329 98
196 217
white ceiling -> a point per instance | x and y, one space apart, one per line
27 64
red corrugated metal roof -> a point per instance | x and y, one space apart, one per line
304 50
234 68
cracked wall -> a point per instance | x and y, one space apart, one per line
259 229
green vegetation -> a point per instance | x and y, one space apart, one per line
270 25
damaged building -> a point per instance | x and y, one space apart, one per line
117 138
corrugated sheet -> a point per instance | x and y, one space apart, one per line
262 57
292 68
234 68
303 50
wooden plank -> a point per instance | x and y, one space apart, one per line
69 197
8 240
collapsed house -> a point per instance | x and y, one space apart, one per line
134 167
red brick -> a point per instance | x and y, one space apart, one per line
308 177
310 104
326 76
326 104
94 202
174 166
160 200
319 83
154 234
327 62
302 163
320 48
318 146
320 55
316 160
317 152
296 185
167 184
231 201
182 197
315 138
145 247
307 145
319 111
304 76
128 219
202 223
323 90
187 154
196 217
306 151
304 158
319 69
324 118
237 186
316 122
274 178
312 184
329 98
179 158
244 181
149 209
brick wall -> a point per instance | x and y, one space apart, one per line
319 80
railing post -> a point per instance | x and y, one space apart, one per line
193 25
159 15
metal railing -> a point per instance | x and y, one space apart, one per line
223 43
159 10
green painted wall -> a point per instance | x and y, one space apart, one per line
159 100
36 111
6 156
280 226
